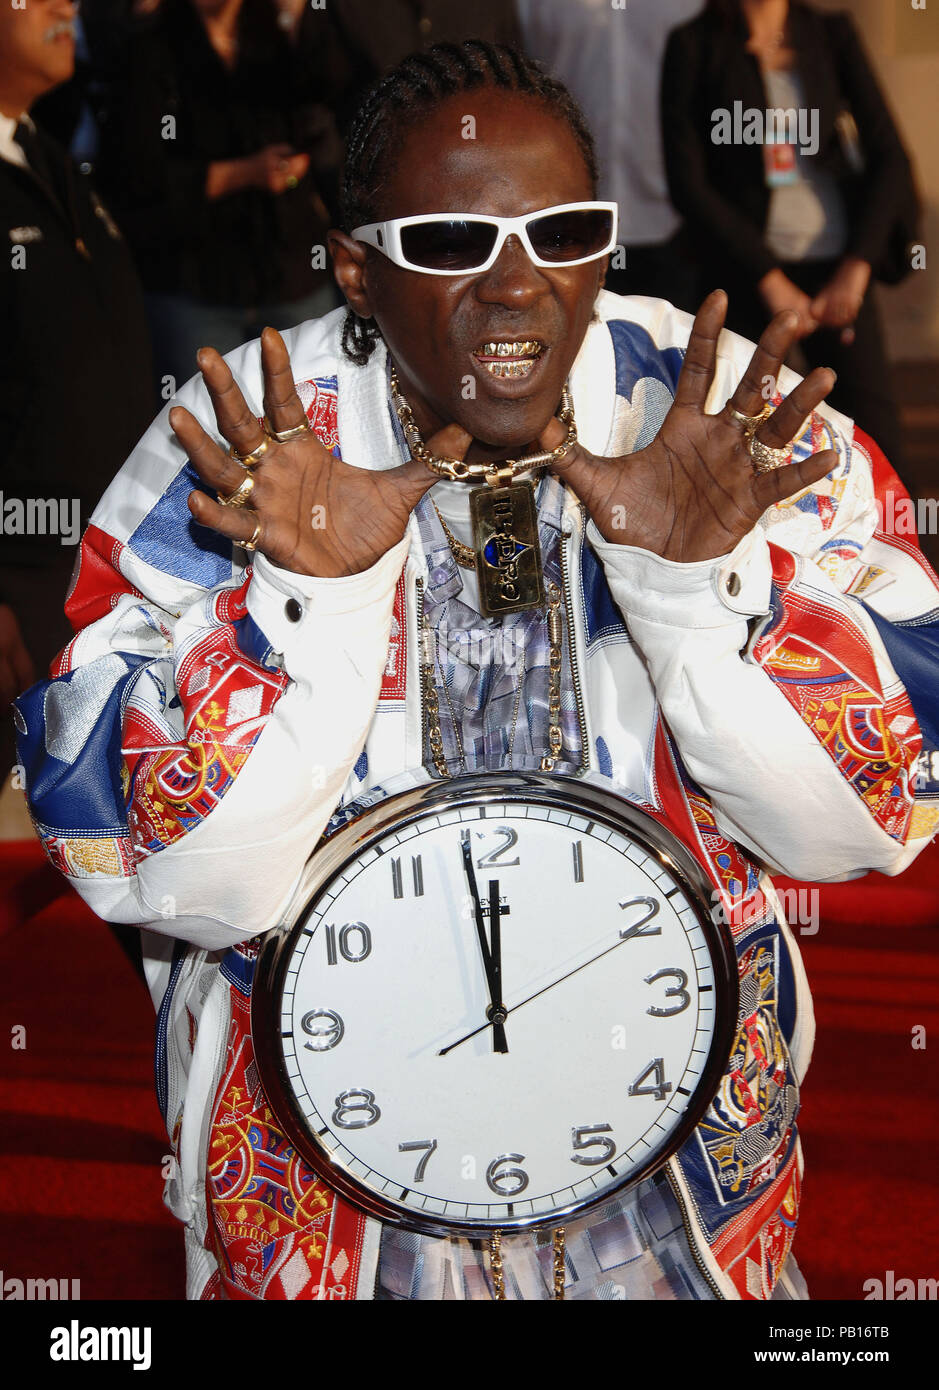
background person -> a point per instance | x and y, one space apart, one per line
74 337
209 150
777 227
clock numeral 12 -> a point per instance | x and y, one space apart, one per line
493 859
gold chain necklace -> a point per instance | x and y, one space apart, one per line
458 470
498 1276
506 550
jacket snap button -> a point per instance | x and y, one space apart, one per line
733 584
293 610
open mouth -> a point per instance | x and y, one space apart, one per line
508 359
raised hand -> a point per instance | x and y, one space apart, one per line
312 513
693 493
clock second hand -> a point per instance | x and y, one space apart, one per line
544 989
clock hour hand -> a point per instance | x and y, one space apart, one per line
496 1013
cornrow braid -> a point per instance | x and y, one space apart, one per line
407 94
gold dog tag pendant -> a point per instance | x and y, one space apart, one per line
508 554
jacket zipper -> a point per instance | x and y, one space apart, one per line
420 662
572 649
692 1239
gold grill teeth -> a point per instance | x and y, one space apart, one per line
529 348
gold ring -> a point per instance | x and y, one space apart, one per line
250 460
239 498
749 422
252 542
766 459
284 436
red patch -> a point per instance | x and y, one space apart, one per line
394 676
98 582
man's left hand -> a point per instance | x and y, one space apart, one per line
693 493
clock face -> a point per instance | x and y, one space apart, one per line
451 1076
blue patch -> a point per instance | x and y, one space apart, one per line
361 766
913 648
253 643
238 970
85 797
171 540
602 617
604 761
638 356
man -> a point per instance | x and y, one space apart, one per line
73 332
229 709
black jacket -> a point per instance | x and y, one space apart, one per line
176 110
75 373
720 188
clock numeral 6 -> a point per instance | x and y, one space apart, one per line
355 943
659 1088
507 1182
324 1037
678 992
356 1102
599 1132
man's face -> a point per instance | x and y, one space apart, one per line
37 50
522 158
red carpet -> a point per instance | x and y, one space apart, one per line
82 1141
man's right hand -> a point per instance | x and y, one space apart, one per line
17 672
317 515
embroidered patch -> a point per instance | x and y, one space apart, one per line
278 1232
394 676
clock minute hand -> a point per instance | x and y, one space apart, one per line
496 1015
538 992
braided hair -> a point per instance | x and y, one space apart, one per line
410 92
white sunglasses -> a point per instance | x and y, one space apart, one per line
455 243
